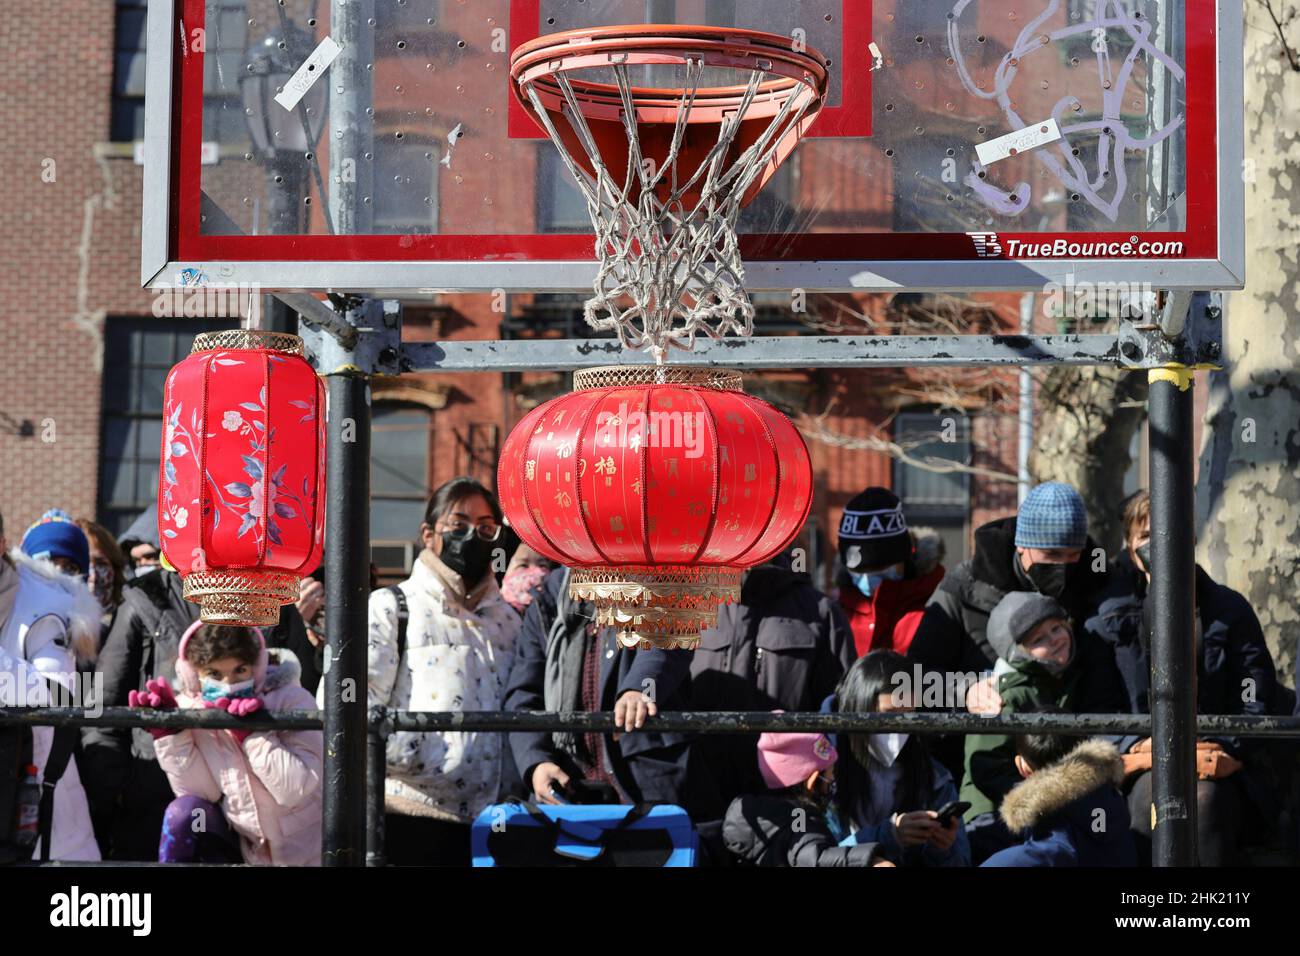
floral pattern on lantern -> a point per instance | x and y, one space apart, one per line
657 487
241 487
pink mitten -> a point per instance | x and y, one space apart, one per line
160 694
157 695
243 706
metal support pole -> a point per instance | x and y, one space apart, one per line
278 317
352 120
1173 649
347 589
376 769
1026 404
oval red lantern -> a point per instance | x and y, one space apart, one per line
241 502
657 486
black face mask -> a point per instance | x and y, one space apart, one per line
1050 579
469 556
1144 555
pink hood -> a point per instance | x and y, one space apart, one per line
268 785
187 678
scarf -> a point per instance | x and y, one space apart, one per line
454 584
566 644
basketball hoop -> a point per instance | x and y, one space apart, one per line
666 171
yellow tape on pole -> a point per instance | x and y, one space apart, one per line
1178 375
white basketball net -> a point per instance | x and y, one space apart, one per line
668 272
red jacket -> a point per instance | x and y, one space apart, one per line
889 618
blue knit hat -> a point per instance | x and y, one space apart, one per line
1052 516
56 535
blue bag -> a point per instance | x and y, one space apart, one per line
525 834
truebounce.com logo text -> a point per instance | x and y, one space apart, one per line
988 245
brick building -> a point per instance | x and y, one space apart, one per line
81 387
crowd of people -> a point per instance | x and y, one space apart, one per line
1039 619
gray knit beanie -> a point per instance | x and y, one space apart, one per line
1016 615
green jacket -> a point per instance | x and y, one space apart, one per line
990 769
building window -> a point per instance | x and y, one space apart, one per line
225 55
478 449
561 207
406 189
399 485
127 122
138 353
935 499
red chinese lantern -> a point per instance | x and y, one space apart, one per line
241 488
657 486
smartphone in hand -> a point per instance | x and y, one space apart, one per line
951 810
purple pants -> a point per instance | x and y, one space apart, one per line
195 830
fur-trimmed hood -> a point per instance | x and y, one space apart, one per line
44 590
1050 791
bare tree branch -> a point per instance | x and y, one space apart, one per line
1281 34
815 428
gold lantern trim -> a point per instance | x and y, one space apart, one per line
244 598
664 607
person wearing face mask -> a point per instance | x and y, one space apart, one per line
443 640
1039 665
139 542
107 572
142 643
106 577
887 571
49 630
257 791
527 570
888 789
1235 791
1043 549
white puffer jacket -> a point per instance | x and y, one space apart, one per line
455 660
49 621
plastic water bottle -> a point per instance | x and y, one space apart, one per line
29 808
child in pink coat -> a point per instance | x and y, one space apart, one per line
254 795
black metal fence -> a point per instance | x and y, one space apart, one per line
382 723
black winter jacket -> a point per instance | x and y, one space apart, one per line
761 829
1235 672
952 634
785 646
649 766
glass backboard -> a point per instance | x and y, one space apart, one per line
964 145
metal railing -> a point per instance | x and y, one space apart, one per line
382 723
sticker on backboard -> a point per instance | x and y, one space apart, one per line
312 69
1021 141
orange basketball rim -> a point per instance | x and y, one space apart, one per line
675 128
